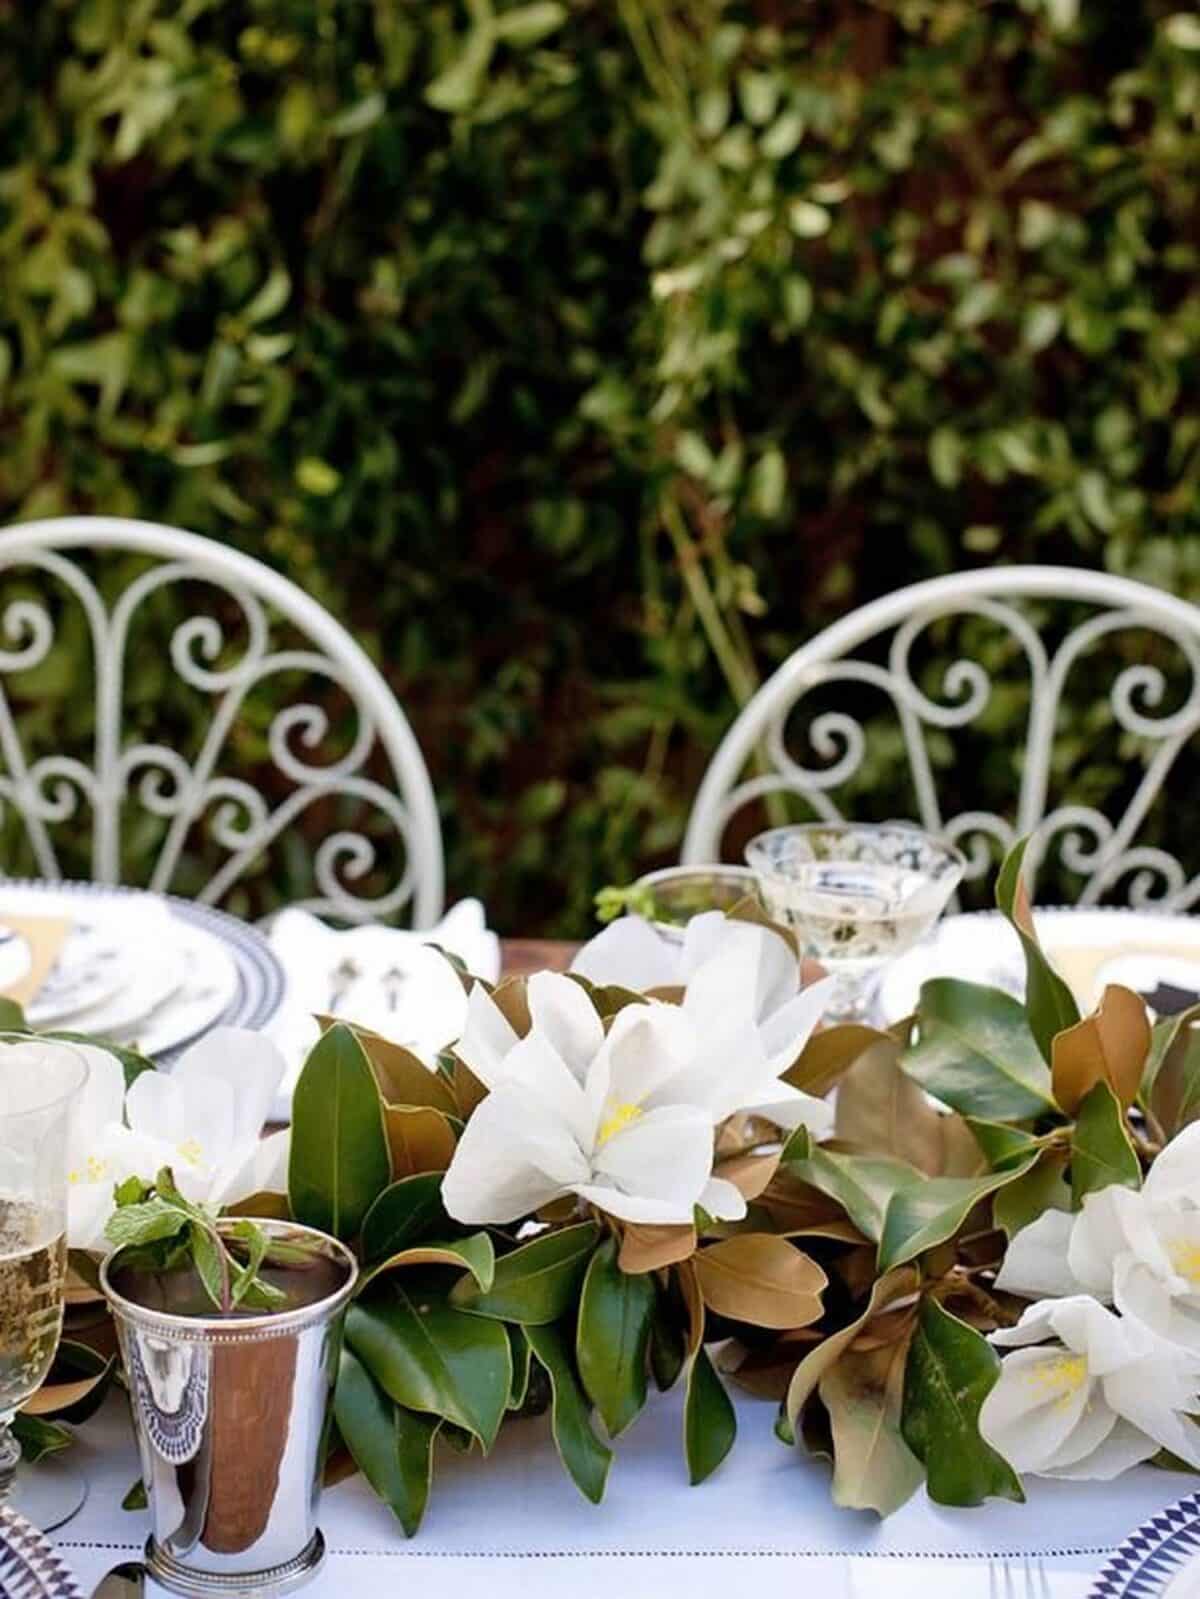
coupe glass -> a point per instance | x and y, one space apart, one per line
856 895
40 1079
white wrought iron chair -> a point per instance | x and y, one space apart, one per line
247 626
1148 709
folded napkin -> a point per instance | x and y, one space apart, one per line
389 980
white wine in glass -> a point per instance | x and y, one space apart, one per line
40 1081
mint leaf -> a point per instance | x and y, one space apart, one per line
144 1223
210 1263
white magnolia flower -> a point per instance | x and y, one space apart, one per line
742 993
204 1119
1138 1250
621 1119
1100 1398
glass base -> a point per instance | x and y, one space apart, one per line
48 1494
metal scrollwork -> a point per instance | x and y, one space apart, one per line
1102 851
224 654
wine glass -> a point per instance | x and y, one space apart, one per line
40 1079
856 895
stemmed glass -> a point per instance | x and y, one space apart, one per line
856 895
40 1079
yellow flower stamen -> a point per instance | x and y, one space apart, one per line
619 1117
191 1151
1185 1258
1060 1378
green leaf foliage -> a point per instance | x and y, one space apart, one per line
536 1283
406 1213
581 1452
921 1217
612 1337
709 1422
1101 1151
974 1050
430 1357
1051 1004
391 1445
339 1155
862 1184
951 1370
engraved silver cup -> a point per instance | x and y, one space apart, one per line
231 1417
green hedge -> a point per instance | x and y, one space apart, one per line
587 356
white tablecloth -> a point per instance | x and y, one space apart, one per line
517 1522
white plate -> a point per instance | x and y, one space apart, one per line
1161 1560
209 986
93 965
1157 955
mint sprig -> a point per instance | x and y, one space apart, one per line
157 1229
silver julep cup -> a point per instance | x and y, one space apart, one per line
231 1417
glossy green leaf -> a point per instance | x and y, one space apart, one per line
612 1337
950 1372
709 1422
862 1184
1101 1151
407 1212
474 1254
918 1218
391 1446
1050 1003
581 1452
521 1359
1001 1144
1171 1086
1039 1189
39 1438
874 1469
669 1333
538 1282
431 1357
339 1155
974 1051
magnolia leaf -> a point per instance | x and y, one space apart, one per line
829 1054
581 1452
874 1469
612 1338
951 1370
797 1209
761 1279
418 1139
521 1358
649 1247
1001 1144
882 1109
535 1284
511 999
429 1356
403 1078
693 1300
669 1330
1101 1150
862 1184
1039 1189
749 1174
39 1438
1110 1046
751 909
406 1213
1172 1082
391 1446
469 1092
919 1218
77 1385
887 1290
1049 1002
339 1162
709 1422
474 1253
975 1052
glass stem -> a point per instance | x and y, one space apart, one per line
10 1458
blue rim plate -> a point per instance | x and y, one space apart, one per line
260 977
29 1567
1149 1560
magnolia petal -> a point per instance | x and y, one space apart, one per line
1143 1297
155 1107
646 1047
535 1064
250 1066
100 1103
487 1037
792 1107
1132 1391
1034 1405
1089 1432
727 1070
1175 1174
562 1013
515 1155
664 1155
723 1200
629 954
1035 1263
786 1030
1123 1446
1096 1239
1089 1329
633 1207
262 1169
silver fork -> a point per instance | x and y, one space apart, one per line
1025 1578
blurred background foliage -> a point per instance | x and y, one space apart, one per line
585 356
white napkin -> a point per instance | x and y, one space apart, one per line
380 977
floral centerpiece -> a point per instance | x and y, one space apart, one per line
979 1259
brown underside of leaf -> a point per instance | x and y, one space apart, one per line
511 999
650 1248
762 1279
59 1395
689 1287
749 1174
1110 1046
419 1139
889 1288
829 1054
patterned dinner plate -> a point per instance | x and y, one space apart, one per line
1161 1560
29 1567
